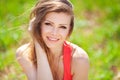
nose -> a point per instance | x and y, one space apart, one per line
54 31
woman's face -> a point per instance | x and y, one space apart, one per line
55 29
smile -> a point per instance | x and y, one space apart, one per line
52 39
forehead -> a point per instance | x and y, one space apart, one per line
60 17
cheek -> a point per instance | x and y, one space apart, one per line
64 33
44 30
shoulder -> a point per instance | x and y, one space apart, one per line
78 52
80 63
21 52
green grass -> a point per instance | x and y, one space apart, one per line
97 30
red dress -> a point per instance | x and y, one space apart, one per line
67 50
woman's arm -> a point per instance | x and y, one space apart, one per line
27 66
43 68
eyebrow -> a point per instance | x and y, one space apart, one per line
53 22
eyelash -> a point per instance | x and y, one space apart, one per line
63 27
47 24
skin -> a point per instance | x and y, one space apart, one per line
26 64
55 29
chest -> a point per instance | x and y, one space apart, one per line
61 64
60 68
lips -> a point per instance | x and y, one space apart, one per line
52 39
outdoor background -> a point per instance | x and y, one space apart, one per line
97 30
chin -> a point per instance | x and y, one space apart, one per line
54 45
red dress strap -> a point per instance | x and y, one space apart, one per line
67 50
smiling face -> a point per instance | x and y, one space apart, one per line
55 29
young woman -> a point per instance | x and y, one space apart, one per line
50 56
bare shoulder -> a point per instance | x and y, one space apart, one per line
80 63
22 52
78 52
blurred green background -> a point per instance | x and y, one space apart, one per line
97 30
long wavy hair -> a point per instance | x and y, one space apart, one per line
41 9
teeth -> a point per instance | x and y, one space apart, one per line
53 39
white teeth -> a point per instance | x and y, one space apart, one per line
52 39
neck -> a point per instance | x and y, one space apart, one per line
57 52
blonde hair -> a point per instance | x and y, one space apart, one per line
39 12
